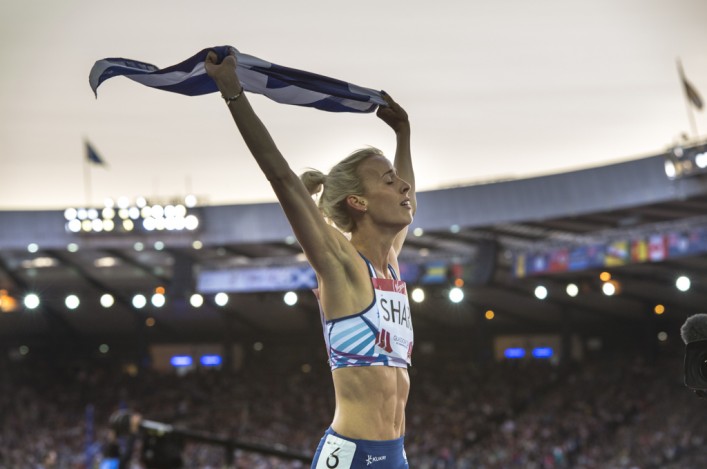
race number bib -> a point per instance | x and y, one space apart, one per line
336 453
395 337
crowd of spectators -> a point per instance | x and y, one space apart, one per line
614 410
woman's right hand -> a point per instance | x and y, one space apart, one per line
224 73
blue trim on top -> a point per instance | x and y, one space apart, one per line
372 271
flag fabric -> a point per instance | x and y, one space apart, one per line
281 84
690 91
692 94
92 155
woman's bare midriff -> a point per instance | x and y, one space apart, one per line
370 402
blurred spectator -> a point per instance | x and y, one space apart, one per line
614 411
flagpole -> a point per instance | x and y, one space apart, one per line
87 162
87 181
688 103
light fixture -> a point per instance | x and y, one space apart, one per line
540 292
139 301
456 295
31 301
542 352
107 300
685 162
290 298
682 283
211 360
8 304
221 299
72 301
418 295
122 217
572 290
158 300
196 300
514 352
179 361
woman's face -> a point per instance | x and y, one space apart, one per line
386 193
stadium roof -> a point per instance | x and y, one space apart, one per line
502 239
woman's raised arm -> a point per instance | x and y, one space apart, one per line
396 117
318 239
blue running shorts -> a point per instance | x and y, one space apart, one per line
338 452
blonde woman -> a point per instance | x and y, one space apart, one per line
365 311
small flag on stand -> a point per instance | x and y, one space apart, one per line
692 98
92 155
692 95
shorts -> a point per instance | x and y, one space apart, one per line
338 452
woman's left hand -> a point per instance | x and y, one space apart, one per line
393 115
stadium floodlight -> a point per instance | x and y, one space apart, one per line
290 298
139 301
540 292
572 290
686 162
456 295
72 301
107 300
683 283
70 214
221 299
74 225
418 295
158 300
608 288
196 300
190 201
31 301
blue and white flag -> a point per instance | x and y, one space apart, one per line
281 84
92 155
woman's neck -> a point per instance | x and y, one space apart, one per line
375 250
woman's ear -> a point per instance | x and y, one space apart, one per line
357 203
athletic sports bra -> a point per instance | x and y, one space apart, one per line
379 335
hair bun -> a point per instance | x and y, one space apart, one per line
313 180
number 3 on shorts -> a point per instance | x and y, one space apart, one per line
337 453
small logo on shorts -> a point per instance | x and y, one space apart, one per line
374 459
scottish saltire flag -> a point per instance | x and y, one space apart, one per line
92 155
690 91
281 84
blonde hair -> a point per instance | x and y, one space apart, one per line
343 180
